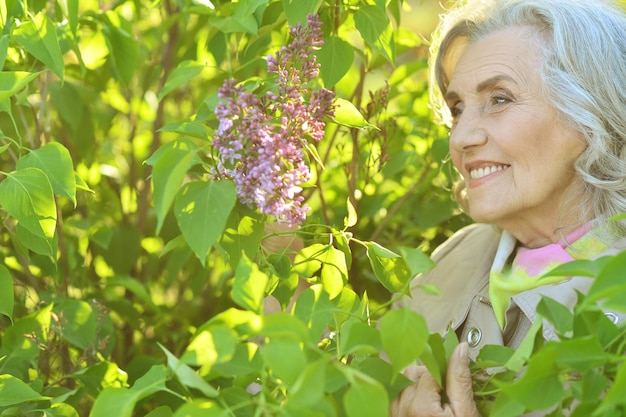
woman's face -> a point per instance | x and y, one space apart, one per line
514 153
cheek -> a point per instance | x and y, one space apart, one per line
456 159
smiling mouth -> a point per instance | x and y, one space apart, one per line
484 171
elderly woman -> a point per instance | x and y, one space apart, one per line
534 92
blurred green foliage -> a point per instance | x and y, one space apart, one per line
133 284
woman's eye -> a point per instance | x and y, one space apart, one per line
455 111
497 100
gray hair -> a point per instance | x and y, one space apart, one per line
583 74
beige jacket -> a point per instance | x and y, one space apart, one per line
462 275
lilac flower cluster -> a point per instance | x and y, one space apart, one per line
262 140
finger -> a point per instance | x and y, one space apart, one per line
414 372
459 383
428 401
402 405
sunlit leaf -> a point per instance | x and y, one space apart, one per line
121 401
347 114
359 338
249 285
13 81
13 391
55 161
202 209
404 336
27 196
352 217
187 376
201 408
335 57
170 165
390 268
39 38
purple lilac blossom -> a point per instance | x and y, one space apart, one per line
262 140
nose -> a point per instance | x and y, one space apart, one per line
468 132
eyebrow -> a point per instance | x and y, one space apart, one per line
482 86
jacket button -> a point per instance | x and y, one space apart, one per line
474 336
612 316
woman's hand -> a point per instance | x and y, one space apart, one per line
424 398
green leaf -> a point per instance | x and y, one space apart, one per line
540 386
60 410
79 324
375 28
352 217
182 74
170 165
124 50
615 396
249 285
201 408
7 299
120 402
435 359
389 268
70 11
243 18
285 358
609 284
347 114
243 234
39 38
404 336
202 209
366 397
334 271
526 348
55 161
13 81
335 57
310 386
4 47
560 316
187 376
13 391
358 338
416 260
297 10
314 309
27 196
580 268
581 354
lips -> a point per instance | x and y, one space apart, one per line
481 172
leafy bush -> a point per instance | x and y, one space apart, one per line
134 278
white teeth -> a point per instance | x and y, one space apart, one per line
481 172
